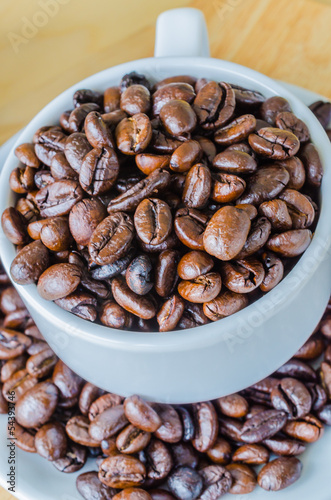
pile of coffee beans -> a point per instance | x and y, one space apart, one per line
150 451
164 207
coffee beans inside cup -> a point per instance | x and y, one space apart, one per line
164 206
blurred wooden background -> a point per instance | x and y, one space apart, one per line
48 45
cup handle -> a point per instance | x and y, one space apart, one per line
181 32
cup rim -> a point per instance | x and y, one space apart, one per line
207 334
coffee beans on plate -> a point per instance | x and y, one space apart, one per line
148 450
149 201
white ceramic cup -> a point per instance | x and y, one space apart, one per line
222 357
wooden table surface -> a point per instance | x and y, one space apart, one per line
48 45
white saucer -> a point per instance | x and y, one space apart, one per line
37 479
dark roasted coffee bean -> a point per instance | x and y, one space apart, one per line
185 483
14 226
141 306
99 170
242 276
272 106
171 430
214 105
135 99
288 121
132 440
284 446
257 238
76 147
290 243
187 421
308 429
42 363
297 369
26 154
170 313
141 414
322 111
18 383
111 99
12 343
159 461
291 396
252 454
166 272
21 180
279 473
77 428
68 383
82 304
202 289
133 78
226 233
234 405
206 426
185 156
178 119
134 134
247 98
30 263
216 482
37 405
153 221
194 264
74 459
312 163
274 271
147 163
236 131
274 143
174 90
84 217
58 198
51 441
243 479
78 115
157 180
312 349
122 471
265 185
224 305
197 187
263 425
190 225
227 187
90 487
58 281
25 439
220 452
324 414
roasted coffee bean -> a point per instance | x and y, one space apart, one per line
97 132
141 414
193 316
235 162
78 115
43 178
185 156
220 452
234 405
99 170
25 439
12 343
111 99
55 234
178 119
108 423
290 243
227 187
184 455
101 404
73 461
111 239
30 263
58 198
37 405
194 264
208 148
190 225
226 233
288 121
26 154
324 414
166 272
140 306
88 394
161 143
325 374
133 494
132 440
202 289
297 369
277 213
197 187
252 454
191 80
133 134
84 217
312 163
135 99
18 384
284 446
312 349
263 425
247 98
27 209
114 316
171 430
257 237
274 271
272 106
51 441
132 79
81 304
90 487
156 181
291 396
322 111
243 479
185 483
170 313
14 226
68 383
187 422
147 163
216 482
58 281
274 143
85 96
206 426
242 276
153 221
77 429
265 185
308 429
224 305
21 180
214 105
159 461
300 208
279 473
174 90
122 471
236 131
41 364
76 147
11 366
